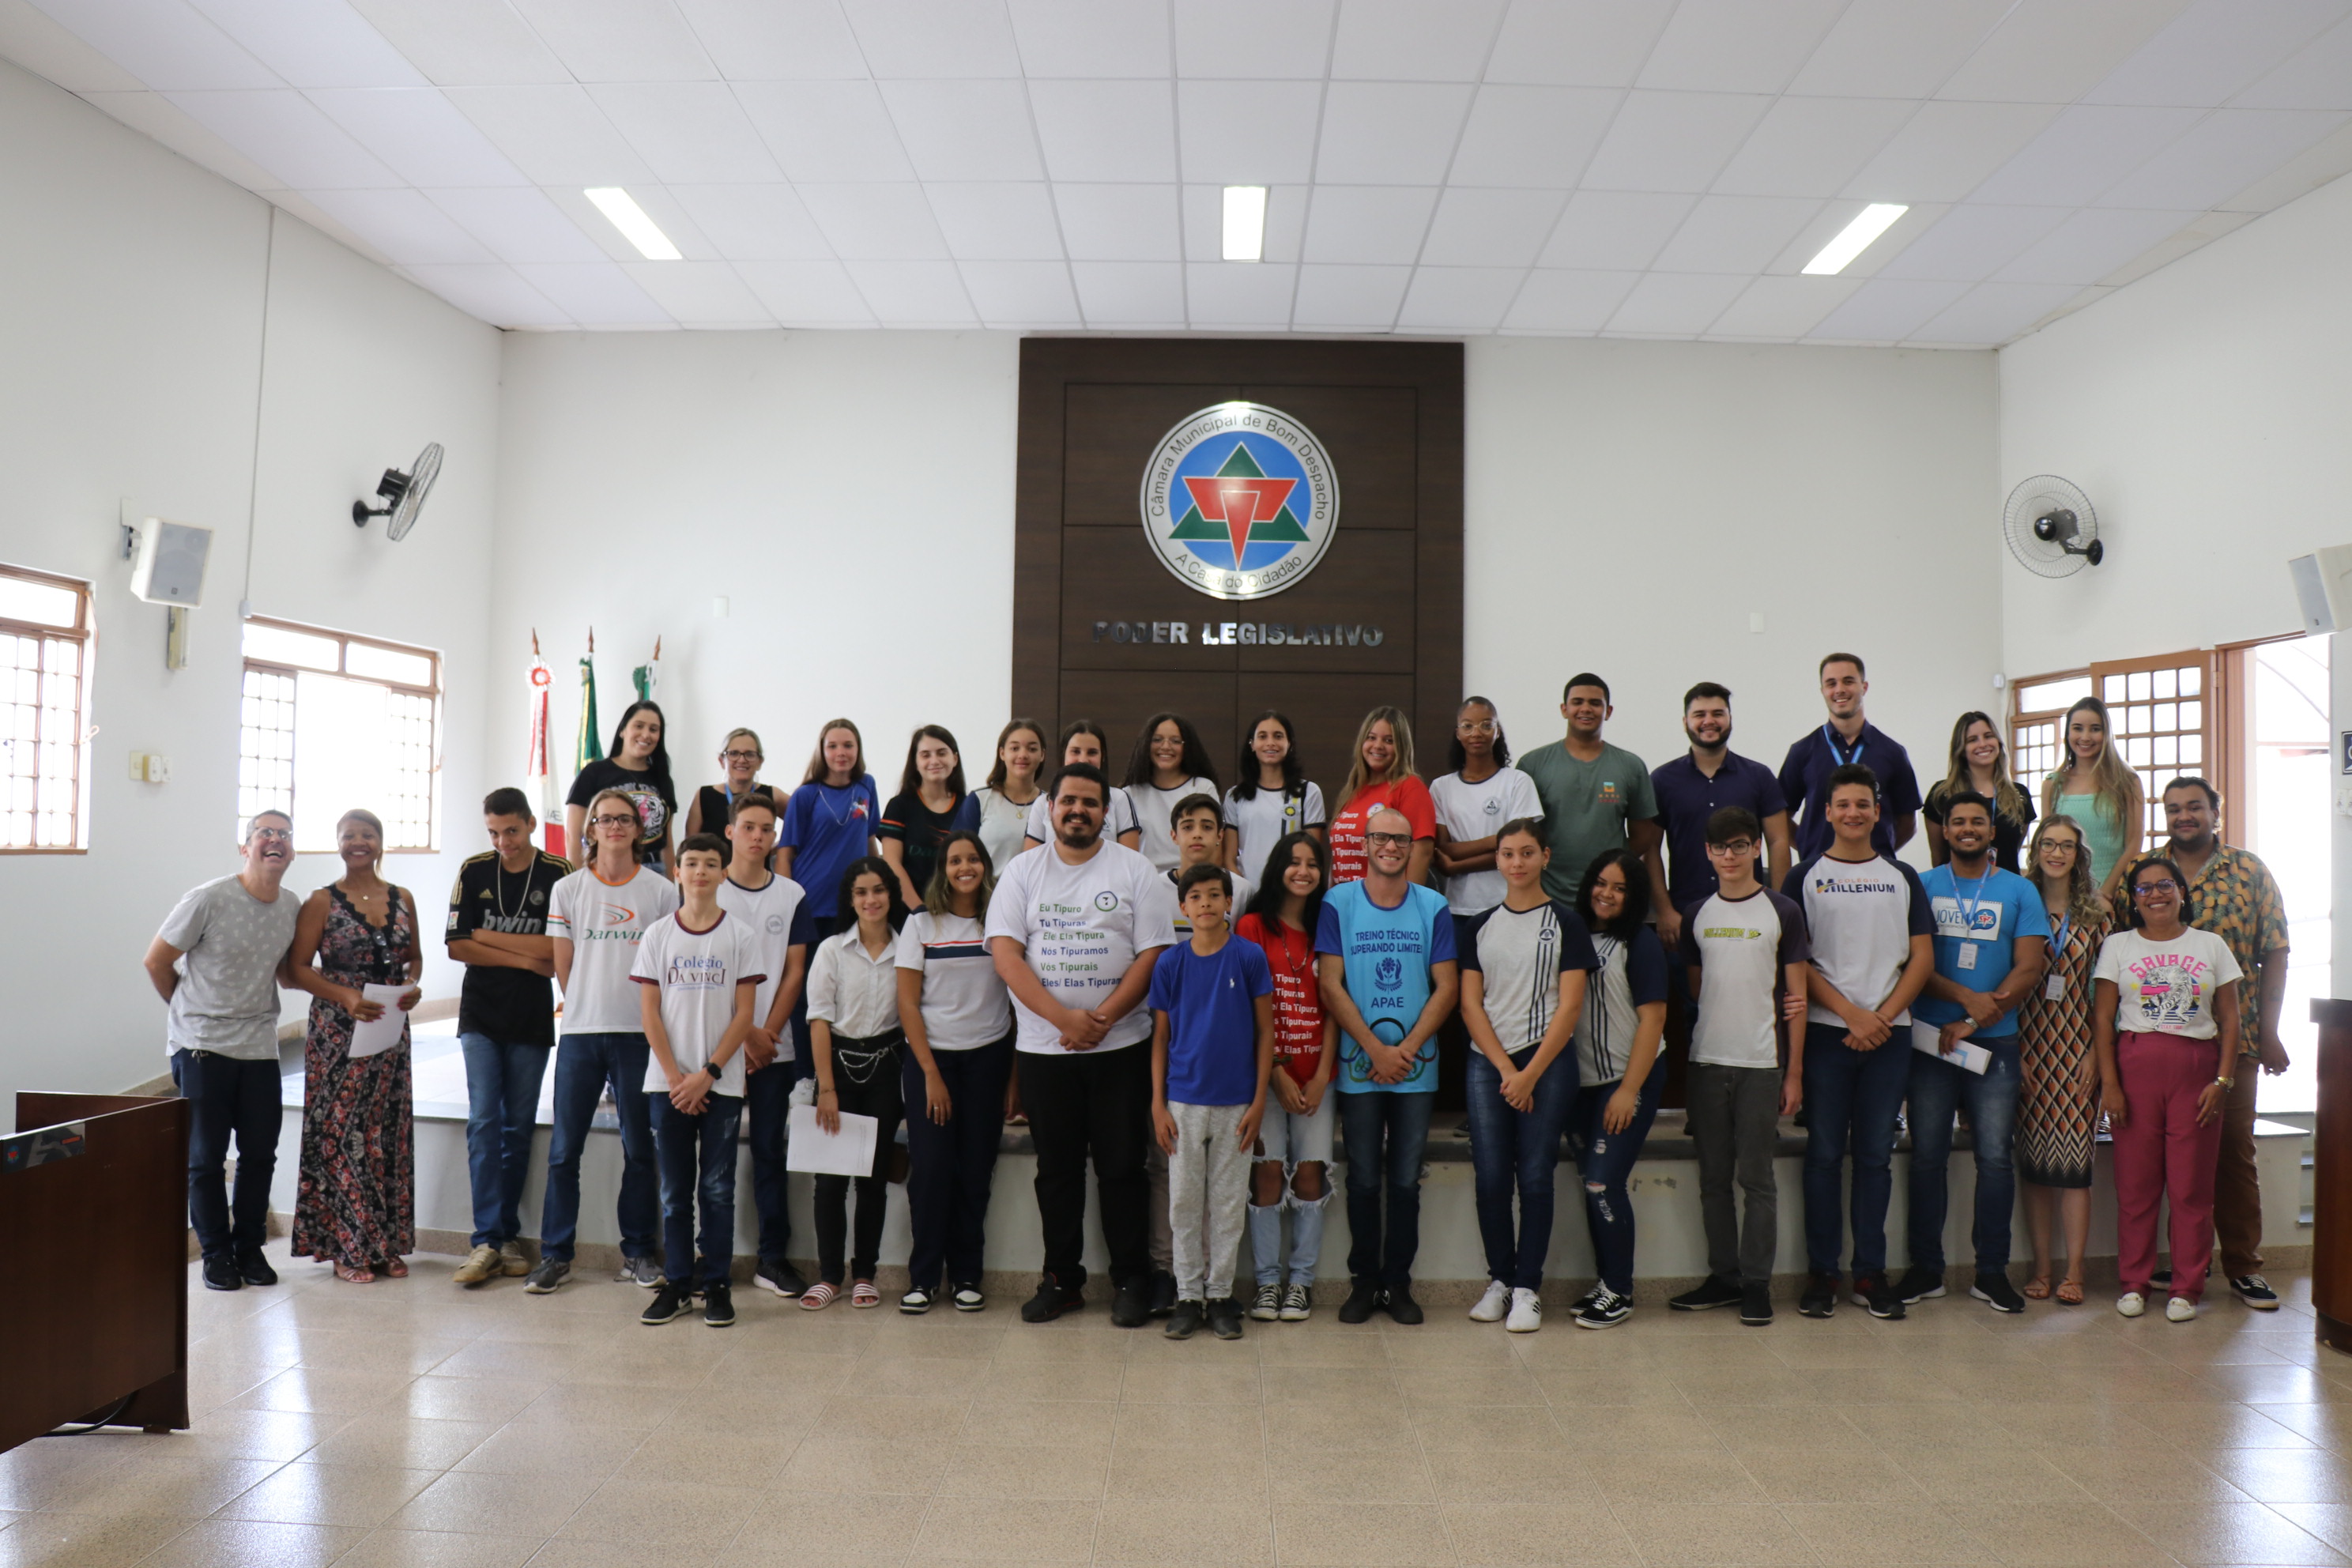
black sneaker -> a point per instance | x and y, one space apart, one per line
1820 1298
1756 1305
1401 1306
548 1276
1265 1305
775 1274
673 1298
1130 1304
1163 1292
1362 1297
2161 1277
1598 1291
1186 1319
1604 1309
1710 1292
719 1305
1052 1298
1874 1292
1995 1291
221 1274
916 1301
1226 1318
2254 1292
1918 1285
968 1297
253 1268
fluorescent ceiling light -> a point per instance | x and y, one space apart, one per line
1855 238
1244 223
636 227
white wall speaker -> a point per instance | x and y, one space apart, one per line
168 567
2323 589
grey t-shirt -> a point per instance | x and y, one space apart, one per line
230 942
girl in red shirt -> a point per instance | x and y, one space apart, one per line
1381 774
1296 1139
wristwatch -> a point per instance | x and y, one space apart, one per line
713 1069
2225 1083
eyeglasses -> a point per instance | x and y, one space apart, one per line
1374 840
271 836
1738 847
739 756
613 819
2161 885
1474 727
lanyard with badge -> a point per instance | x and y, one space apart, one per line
1969 906
1838 758
2054 987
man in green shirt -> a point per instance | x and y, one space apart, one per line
1595 796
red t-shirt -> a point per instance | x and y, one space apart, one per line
1297 998
1407 795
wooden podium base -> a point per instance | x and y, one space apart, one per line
2331 1199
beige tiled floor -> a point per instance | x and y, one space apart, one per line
412 1423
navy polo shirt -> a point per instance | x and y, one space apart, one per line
1687 797
1805 782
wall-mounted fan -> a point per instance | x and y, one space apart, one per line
2051 527
403 494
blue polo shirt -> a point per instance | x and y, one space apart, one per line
1978 923
1212 1007
1687 797
1805 784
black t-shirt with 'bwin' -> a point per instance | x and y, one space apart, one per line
513 1007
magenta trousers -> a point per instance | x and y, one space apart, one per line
2160 1152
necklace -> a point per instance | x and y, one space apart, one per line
498 888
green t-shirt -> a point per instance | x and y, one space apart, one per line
1587 807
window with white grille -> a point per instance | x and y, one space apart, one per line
331 721
2159 708
45 626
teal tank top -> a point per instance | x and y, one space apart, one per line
2102 835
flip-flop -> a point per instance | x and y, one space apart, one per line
818 1296
864 1294
393 1269
2036 1288
2070 1292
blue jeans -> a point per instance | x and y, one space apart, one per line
584 1064
767 1104
1517 1148
1383 1134
950 1168
1937 1088
501 1107
1606 1160
1854 1098
229 1096
697 1178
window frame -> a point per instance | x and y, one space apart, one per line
84 634
432 693
2215 721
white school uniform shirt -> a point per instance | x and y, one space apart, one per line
604 921
1004 827
1154 807
1082 927
769 913
697 972
1118 817
1744 946
965 1003
1478 811
1260 821
853 991
1860 917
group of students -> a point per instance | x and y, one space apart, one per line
1206 994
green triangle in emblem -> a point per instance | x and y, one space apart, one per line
1241 465
1196 526
1283 528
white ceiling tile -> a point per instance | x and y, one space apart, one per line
2221 155
964 130
2328 159
876 222
490 293
1036 294
1672 140
1972 241
688 130
1554 300
313 43
754 223
1674 304
1578 43
1203 209
595 295
520 224
420 136
1947 150
2052 51
1898 48
163 43
700 293
1735 234
36 41
2214 51
826 132
2089 244
620 40
294 204
1091 38
997 221
1253 295
1130 293
1107 132
1886 310
1737 45
2084 151
1388 132
914 293
1993 313
2318 76
1410 40
465 43
555 134
1783 308
1615 231
1459 299
1491 228
1532 135
934 37
1812 146
1360 225
155 115
807 293
284 132
1343 299
1118 223
404 227
1247 133
775 40
1290 41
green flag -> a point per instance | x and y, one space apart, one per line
589 746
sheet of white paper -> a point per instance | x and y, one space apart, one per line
1927 1038
372 1035
849 1153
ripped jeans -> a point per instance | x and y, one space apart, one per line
1604 1160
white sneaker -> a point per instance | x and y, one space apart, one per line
2131 1304
2180 1309
1526 1312
1493 1304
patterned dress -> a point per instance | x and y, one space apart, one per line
2056 1116
356 1204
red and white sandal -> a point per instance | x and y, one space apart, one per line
862 1293
818 1296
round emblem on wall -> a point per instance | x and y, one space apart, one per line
1240 501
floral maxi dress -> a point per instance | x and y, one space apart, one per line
356 1206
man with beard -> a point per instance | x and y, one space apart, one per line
1075 931
2231 894
1846 739
1693 787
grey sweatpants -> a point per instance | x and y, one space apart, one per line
1208 1197
1735 1122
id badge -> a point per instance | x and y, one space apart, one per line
1967 959
2054 988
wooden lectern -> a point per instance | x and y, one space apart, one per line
2331 1199
94 1203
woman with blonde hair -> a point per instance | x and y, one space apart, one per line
1979 761
739 756
2100 791
2058 1069
1380 774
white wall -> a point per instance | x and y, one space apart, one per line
132 337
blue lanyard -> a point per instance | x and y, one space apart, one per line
2058 938
1837 758
1969 905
